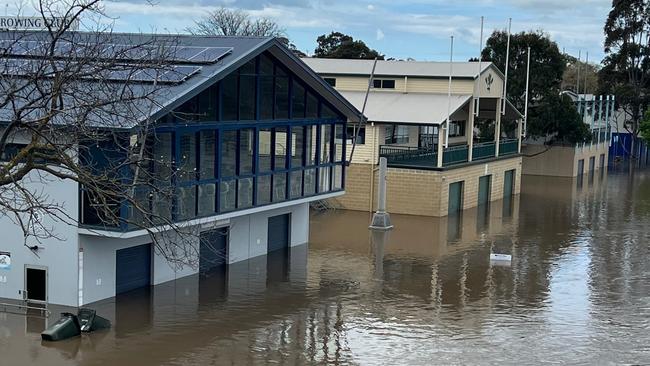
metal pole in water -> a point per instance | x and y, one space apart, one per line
381 218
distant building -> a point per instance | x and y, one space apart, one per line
256 136
575 160
406 108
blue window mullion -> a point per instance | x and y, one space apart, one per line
256 160
217 172
237 168
287 159
332 157
317 160
174 165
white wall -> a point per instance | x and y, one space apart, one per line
248 234
248 239
59 256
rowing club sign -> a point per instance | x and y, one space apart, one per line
36 23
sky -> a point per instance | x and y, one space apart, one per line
419 29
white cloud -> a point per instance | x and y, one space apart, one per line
380 34
371 7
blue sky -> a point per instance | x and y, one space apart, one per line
398 28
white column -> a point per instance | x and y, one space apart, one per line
497 129
441 135
470 130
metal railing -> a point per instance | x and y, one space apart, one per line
43 310
455 155
508 147
484 150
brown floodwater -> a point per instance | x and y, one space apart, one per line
577 291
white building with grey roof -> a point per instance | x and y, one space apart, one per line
438 136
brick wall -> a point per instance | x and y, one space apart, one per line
425 192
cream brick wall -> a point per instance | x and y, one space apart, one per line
561 161
425 192
414 84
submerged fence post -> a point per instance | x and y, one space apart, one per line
381 218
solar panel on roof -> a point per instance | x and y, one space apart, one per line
126 52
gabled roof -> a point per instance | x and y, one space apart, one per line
171 95
411 108
329 66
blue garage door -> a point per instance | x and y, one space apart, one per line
213 252
132 268
278 232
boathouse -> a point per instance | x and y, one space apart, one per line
434 168
247 136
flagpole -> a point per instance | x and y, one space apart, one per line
478 84
526 102
451 69
505 82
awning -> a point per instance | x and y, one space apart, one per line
407 108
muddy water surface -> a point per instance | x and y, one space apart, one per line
577 291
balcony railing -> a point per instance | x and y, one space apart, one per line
484 150
455 155
407 155
414 157
508 147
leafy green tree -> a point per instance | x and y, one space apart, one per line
644 127
549 115
626 66
339 45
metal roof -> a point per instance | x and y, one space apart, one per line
329 66
411 108
170 96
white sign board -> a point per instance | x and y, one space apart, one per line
5 260
34 23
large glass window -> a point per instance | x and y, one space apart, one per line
296 184
324 179
325 144
310 182
162 173
247 93
281 98
266 97
207 151
206 199
457 128
312 106
202 107
397 134
281 148
228 153
298 100
187 162
338 177
338 142
263 189
227 195
186 202
298 146
264 149
246 146
229 97
245 193
279 187
311 133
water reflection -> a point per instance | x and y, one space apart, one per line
423 293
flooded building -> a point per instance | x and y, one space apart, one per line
573 160
407 109
247 138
